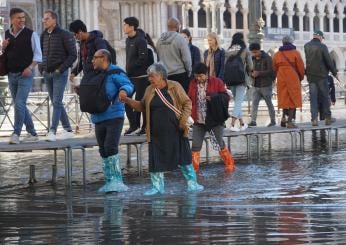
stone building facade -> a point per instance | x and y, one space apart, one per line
224 17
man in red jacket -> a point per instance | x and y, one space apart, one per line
208 96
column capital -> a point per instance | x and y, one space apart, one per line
290 13
331 16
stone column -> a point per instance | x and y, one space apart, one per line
150 19
331 22
76 13
195 20
268 18
213 16
183 16
290 18
279 15
164 16
95 11
301 19
245 19
174 10
87 16
222 10
341 23
311 22
233 18
321 18
158 22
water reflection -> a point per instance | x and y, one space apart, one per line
275 201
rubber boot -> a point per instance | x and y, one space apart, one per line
157 180
113 178
227 159
196 160
190 175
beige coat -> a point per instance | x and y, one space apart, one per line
180 100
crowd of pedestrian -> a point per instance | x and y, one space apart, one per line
163 88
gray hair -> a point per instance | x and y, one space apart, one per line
158 68
287 39
106 54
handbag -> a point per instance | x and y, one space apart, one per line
190 120
3 64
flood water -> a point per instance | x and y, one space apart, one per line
282 198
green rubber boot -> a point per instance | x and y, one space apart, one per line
157 180
190 175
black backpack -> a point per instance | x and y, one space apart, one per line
234 70
92 91
112 51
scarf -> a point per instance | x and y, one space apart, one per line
211 62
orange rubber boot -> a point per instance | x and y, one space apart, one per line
227 159
195 160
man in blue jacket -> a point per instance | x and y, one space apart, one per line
109 124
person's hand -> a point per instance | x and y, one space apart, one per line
255 73
122 96
72 77
333 103
27 72
208 98
5 43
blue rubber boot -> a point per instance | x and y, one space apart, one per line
113 177
190 175
157 180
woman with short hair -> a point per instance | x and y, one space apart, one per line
167 132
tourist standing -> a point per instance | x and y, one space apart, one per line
214 57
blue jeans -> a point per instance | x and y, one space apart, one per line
20 88
56 84
238 92
319 94
265 93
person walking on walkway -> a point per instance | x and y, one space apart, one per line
59 53
136 66
214 56
318 64
194 50
238 49
209 112
90 42
23 51
109 124
167 132
263 78
174 53
289 67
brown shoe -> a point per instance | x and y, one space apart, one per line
330 120
291 125
314 123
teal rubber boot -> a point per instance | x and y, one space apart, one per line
157 180
113 177
190 175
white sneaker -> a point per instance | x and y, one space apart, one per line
244 127
51 136
234 129
66 135
29 138
14 139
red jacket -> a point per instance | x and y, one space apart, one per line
215 85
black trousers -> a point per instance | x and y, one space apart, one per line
181 78
108 135
133 116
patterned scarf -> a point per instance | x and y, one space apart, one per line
201 102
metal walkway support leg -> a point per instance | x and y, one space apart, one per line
32 177
207 150
128 151
84 166
337 138
248 146
330 140
258 137
54 167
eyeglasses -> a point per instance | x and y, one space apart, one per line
97 56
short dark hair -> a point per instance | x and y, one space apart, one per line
77 26
200 68
255 46
52 13
14 11
132 21
186 32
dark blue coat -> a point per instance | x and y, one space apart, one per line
219 61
